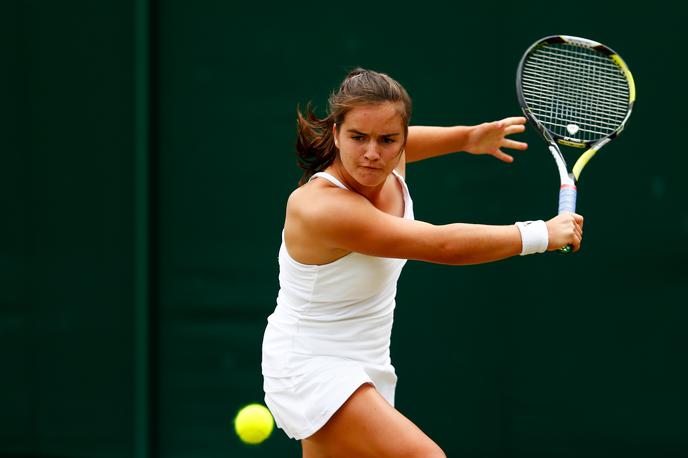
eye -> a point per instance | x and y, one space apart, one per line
388 140
357 138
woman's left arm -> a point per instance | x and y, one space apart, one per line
488 138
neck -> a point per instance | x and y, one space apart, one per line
372 193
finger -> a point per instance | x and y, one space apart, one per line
575 242
513 144
498 124
502 156
514 129
578 233
577 220
514 120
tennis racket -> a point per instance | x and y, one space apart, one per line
577 93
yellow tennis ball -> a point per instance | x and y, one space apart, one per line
253 424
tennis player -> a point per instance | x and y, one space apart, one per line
349 229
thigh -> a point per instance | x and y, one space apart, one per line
368 426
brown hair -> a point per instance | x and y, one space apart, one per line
315 148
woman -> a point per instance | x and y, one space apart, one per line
348 231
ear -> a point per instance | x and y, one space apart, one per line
334 135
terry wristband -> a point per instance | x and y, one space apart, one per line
534 237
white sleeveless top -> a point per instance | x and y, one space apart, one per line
334 315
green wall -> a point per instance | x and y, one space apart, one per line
148 155
66 238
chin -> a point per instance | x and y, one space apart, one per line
368 177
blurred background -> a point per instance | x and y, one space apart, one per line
147 155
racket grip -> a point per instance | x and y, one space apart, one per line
567 203
567 198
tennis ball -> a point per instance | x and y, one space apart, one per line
253 424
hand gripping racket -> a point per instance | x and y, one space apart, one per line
577 93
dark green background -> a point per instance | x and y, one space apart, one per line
147 157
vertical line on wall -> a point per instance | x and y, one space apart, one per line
141 300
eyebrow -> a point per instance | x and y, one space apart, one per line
354 131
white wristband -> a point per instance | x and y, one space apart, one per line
534 237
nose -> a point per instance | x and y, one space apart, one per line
371 152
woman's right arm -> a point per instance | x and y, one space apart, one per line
343 220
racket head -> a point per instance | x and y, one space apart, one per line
576 92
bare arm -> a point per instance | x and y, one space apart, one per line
342 220
488 138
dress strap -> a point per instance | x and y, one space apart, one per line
399 175
329 178
408 203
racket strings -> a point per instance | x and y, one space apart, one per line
563 103
541 102
578 54
575 91
611 84
609 76
546 92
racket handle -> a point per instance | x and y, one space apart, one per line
567 198
567 203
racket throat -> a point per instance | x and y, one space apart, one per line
564 176
567 190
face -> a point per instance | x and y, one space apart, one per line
370 142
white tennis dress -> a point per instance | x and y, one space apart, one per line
329 334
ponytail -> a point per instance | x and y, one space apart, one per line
315 148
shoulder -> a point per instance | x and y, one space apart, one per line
320 202
320 219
